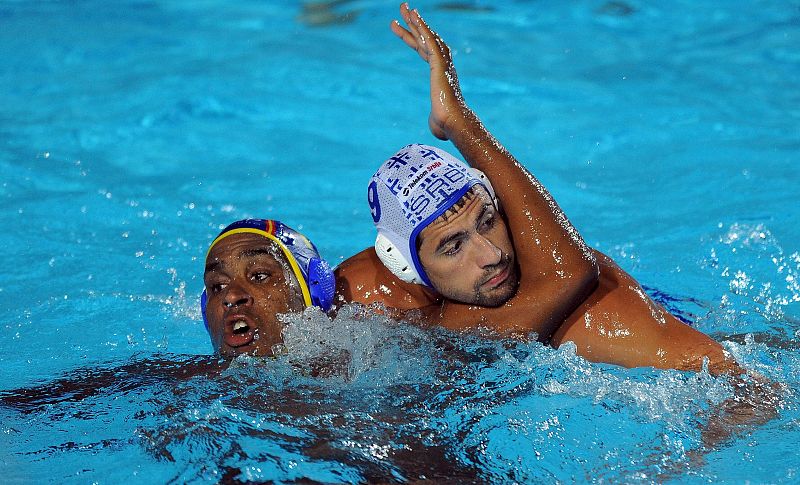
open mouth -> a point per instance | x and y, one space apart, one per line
239 332
240 327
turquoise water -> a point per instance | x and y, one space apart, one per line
132 131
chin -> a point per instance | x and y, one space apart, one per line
493 301
233 352
229 353
500 295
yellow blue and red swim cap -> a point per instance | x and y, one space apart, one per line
314 274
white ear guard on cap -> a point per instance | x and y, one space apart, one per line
393 258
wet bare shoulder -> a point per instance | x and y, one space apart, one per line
363 279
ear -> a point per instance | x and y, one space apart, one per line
393 259
203 303
321 283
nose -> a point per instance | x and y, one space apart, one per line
237 296
487 253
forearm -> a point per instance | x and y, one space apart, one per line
481 150
538 225
539 228
618 326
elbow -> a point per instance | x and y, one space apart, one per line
586 274
583 280
571 292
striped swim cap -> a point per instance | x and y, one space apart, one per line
313 273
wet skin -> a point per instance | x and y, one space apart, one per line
554 268
566 291
468 254
248 284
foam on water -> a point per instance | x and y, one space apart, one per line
362 397
358 396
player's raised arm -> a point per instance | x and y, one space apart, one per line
557 269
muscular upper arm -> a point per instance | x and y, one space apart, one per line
619 324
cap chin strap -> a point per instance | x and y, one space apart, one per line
394 260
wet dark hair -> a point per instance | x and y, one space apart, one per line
468 196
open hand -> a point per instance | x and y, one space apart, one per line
447 105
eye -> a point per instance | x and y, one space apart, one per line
260 276
487 223
217 287
453 248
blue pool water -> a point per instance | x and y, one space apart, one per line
132 131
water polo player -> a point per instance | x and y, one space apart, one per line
446 255
255 270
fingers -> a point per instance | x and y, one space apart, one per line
405 13
411 40
418 35
412 36
405 35
415 22
408 36
397 28
410 22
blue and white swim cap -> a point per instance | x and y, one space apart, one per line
313 273
408 192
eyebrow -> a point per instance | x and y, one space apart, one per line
460 234
247 253
253 253
212 266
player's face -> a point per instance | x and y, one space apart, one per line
468 254
248 284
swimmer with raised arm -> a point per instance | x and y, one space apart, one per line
257 269
485 245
